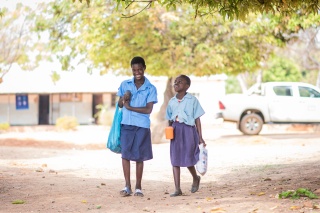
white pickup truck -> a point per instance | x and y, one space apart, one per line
272 102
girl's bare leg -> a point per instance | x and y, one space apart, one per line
196 179
176 177
139 172
126 172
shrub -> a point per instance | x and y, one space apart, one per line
104 115
67 123
4 126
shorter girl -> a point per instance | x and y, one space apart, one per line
183 112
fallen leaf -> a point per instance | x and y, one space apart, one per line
208 198
316 206
98 207
83 201
217 210
18 202
39 170
273 208
295 207
261 193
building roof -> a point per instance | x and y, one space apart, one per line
39 81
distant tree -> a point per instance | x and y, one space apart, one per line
281 69
16 42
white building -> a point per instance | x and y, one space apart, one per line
31 97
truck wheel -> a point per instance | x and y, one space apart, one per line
251 124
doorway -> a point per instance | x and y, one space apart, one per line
96 100
44 109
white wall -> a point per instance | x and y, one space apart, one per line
209 90
81 110
9 113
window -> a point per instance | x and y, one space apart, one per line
283 90
308 92
70 97
22 102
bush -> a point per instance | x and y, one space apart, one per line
67 123
4 126
104 115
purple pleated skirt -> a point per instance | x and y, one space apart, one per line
135 143
184 147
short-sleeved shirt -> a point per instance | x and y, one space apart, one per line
185 111
139 98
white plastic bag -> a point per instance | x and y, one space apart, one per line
202 164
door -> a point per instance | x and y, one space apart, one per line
309 104
44 109
96 100
283 105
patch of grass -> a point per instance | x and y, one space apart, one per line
296 194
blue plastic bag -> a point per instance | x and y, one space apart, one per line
114 135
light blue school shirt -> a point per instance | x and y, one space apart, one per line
139 98
187 110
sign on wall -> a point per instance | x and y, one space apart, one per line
22 102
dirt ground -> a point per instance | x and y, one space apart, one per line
54 171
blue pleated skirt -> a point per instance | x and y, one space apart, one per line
135 143
184 147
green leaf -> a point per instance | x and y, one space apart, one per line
18 202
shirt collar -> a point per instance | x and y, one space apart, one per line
145 85
188 95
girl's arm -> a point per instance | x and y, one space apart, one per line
198 125
126 98
144 110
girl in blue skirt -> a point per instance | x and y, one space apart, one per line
137 96
184 112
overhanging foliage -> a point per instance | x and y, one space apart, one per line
232 9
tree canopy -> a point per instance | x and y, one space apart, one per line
171 41
231 9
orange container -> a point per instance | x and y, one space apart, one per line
169 132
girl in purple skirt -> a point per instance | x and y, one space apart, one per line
184 112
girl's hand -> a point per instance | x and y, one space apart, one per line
202 142
127 96
126 103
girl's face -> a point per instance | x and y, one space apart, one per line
180 85
138 71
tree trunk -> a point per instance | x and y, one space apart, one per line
242 83
158 125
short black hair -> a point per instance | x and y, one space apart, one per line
186 78
138 60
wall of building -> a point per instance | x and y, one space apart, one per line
82 110
207 89
9 113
